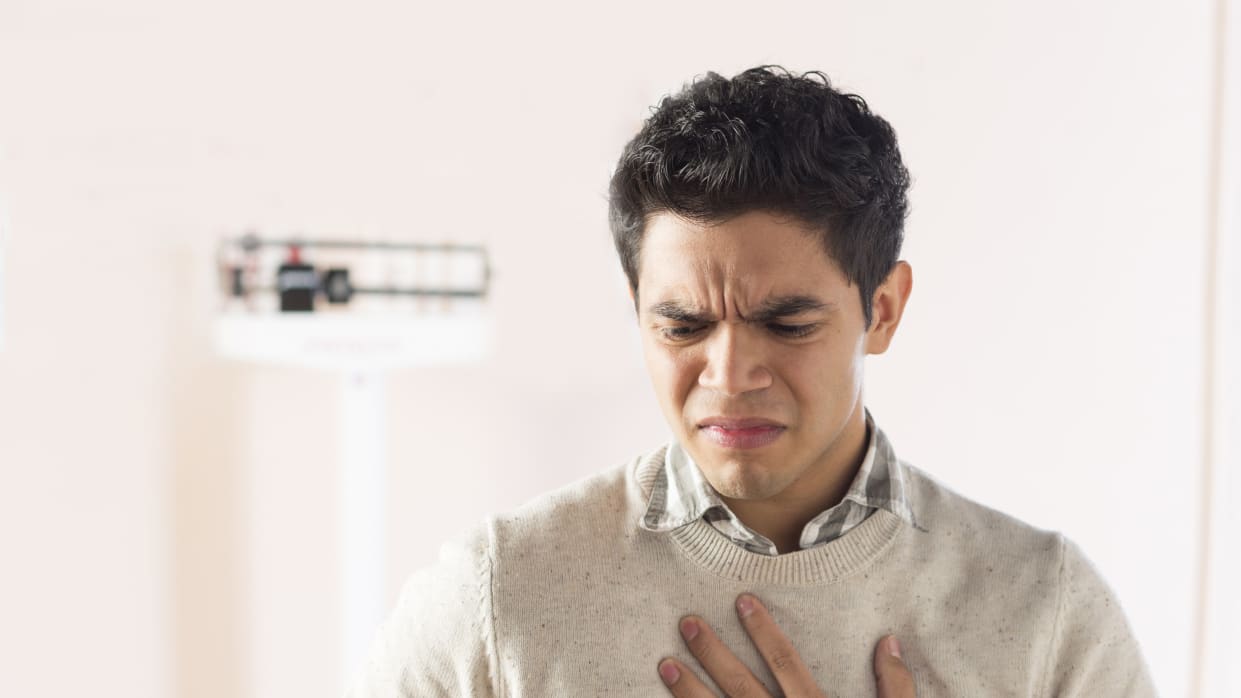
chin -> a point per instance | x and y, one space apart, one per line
737 479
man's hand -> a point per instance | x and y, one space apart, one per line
891 676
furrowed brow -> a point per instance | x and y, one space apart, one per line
785 306
675 311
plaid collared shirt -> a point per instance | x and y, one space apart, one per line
681 495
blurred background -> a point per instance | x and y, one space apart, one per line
170 518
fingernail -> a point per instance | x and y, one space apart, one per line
689 629
669 673
745 606
894 647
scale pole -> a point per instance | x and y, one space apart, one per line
363 492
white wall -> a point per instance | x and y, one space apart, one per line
169 517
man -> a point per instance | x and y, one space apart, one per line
759 221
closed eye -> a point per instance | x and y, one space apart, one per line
792 330
680 332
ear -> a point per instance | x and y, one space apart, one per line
633 297
887 307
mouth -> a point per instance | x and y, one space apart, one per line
744 433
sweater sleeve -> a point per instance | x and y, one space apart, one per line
1093 651
439 640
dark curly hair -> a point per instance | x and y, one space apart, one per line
768 140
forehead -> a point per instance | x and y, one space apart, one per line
752 255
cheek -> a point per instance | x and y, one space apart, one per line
671 371
822 378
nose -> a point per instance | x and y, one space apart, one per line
734 362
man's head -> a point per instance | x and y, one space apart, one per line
759 220
768 140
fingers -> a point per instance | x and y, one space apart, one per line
682 682
776 649
892 677
733 677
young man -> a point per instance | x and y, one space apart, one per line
759 222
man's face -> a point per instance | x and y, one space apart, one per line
755 344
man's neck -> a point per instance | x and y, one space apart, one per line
782 518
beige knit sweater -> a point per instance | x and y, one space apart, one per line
568 596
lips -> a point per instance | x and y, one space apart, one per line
741 433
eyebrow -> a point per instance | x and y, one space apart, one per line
675 311
784 306
771 309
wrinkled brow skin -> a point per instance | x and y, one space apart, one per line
771 309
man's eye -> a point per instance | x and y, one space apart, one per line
679 332
792 330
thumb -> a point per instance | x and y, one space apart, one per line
892 677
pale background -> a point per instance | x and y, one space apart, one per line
168 519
